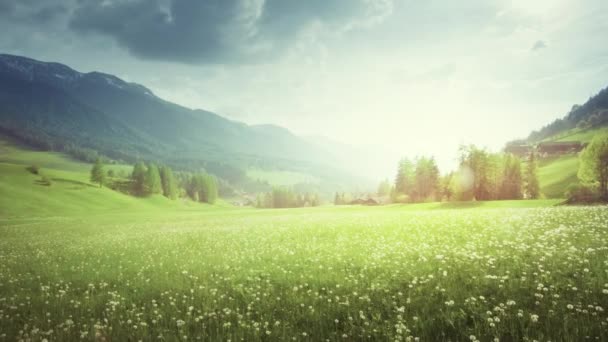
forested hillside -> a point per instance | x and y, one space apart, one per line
54 107
558 171
592 114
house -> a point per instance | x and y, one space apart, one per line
560 147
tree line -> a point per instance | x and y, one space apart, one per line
592 173
482 175
150 179
284 197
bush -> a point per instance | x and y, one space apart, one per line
34 169
578 193
46 181
401 198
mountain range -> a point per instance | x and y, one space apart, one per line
56 107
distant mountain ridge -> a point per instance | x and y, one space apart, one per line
127 121
593 113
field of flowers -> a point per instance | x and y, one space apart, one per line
344 274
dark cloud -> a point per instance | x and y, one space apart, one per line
539 45
49 13
7 8
34 13
211 31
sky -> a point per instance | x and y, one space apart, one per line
405 77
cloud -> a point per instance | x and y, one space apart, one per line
33 12
539 45
217 31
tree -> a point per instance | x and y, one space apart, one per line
152 180
461 184
593 167
139 179
97 174
208 191
478 162
202 187
404 181
532 188
446 189
511 180
426 179
384 188
338 199
315 201
168 182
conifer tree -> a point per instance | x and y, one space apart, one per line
152 180
532 186
138 176
97 174
168 182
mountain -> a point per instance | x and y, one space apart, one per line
56 107
590 115
558 172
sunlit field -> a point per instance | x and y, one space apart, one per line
325 274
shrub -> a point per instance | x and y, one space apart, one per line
578 193
34 169
46 181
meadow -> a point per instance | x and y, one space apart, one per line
398 273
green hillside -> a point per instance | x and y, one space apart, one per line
281 178
578 134
70 191
556 174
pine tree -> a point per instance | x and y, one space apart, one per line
404 181
152 180
139 179
97 173
384 188
210 189
168 182
511 180
532 186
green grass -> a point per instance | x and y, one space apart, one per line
79 262
281 178
350 273
583 135
70 193
556 174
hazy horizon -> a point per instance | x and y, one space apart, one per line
406 78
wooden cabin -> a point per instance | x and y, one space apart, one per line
560 147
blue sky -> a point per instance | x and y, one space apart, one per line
409 77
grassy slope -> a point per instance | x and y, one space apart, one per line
281 178
557 174
70 193
576 134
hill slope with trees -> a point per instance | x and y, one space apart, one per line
54 107
557 173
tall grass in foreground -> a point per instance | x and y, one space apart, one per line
305 275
